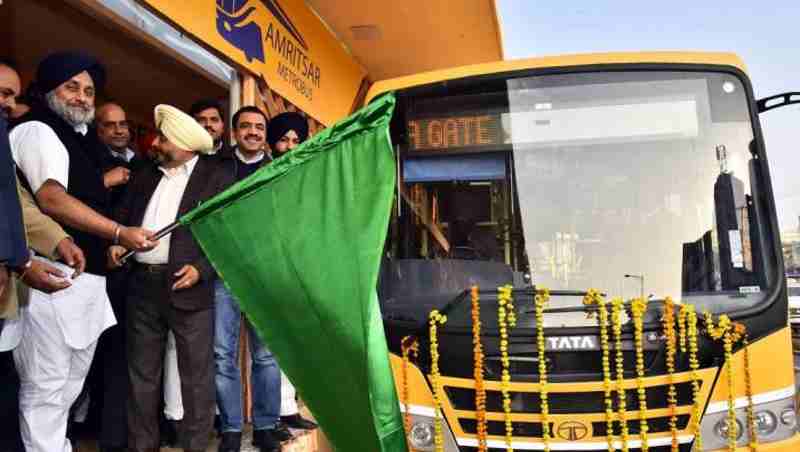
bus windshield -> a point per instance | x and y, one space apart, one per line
635 183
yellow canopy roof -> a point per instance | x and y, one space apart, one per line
395 38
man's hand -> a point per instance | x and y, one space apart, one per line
3 277
187 277
137 239
114 255
72 256
45 277
117 176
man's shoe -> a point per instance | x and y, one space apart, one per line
231 442
281 432
266 440
296 421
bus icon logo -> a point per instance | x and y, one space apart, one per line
247 37
572 431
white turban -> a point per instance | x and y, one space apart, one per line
182 130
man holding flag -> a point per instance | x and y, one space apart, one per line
171 287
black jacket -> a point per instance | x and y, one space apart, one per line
207 179
85 182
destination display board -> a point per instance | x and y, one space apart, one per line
456 133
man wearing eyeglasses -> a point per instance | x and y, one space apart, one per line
118 161
108 379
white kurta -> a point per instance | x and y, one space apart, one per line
54 340
173 401
288 400
56 335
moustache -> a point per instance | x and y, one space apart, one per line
80 105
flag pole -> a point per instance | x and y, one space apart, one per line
161 233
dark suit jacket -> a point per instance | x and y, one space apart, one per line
207 179
13 250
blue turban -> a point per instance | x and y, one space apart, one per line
284 122
59 67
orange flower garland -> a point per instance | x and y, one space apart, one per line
682 319
729 333
688 317
408 345
503 306
748 386
480 389
668 323
594 298
638 308
540 299
436 319
616 321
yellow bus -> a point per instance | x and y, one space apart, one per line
641 175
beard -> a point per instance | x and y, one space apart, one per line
75 116
163 158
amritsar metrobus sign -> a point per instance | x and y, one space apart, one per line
281 40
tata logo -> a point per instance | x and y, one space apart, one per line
236 26
572 431
572 343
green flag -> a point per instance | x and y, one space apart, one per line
299 245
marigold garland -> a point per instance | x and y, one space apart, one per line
540 301
668 323
503 305
408 345
638 308
436 319
594 298
748 390
617 306
724 330
682 314
480 388
689 317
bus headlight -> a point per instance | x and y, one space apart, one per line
766 423
789 417
721 429
421 435
774 421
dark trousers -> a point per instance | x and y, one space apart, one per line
112 353
113 391
10 439
149 316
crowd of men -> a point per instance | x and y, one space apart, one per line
157 333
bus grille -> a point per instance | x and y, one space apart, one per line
682 448
567 402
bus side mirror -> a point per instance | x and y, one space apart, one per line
778 101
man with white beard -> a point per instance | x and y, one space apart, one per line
58 332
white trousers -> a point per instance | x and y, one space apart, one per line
51 376
173 402
288 402
173 399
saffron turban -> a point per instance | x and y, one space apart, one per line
182 130
284 122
